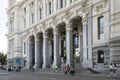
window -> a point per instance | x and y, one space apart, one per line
24 23
24 48
101 27
12 26
24 10
50 8
40 13
61 3
100 56
32 3
32 16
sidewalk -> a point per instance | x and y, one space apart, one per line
60 72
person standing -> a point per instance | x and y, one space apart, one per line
111 69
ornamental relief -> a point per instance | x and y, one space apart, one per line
11 16
100 6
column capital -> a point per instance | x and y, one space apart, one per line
68 25
55 31
45 34
84 19
36 38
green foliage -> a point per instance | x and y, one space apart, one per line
3 58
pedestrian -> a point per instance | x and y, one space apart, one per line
72 71
114 69
68 68
65 69
111 69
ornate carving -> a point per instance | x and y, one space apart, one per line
11 16
56 31
84 19
99 7
83 5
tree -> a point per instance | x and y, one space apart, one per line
3 58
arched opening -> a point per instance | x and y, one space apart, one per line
77 40
40 49
50 44
62 42
32 51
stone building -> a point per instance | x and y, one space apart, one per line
45 33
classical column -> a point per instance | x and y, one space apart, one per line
89 36
85 54
46 61
56 48
69 44
37 53
29 54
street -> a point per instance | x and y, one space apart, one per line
48 76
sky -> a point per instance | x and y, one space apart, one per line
3 27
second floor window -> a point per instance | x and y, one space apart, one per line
40 13
24 10
24 48
32 17
61 3
101 27
50 8
24 23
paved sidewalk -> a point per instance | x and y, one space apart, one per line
80 74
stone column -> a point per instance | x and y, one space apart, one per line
56 48
85 55
90 36
46 61
37 53
29 54
69 44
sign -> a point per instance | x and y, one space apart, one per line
18 61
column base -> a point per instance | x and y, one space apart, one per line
45 66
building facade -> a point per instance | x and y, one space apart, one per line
81 33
